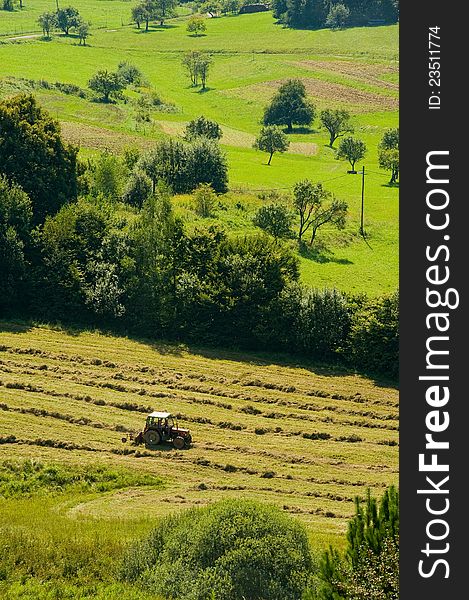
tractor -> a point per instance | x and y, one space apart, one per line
160 427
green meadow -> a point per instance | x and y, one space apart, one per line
354 69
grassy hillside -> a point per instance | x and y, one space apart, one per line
68 396
354 69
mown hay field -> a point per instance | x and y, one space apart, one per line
307 439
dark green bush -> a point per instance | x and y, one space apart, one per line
230 550
373 341
307 321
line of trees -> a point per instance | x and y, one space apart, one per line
315 14
66 19
71 248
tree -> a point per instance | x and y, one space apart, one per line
130 157
47 21
182 166
279 8
390 140
271 139
67 18
338 16
232 549
203 66
137 189
205 200
108 85
351 149
275 219
202 127
211 7
389 160
197 65
373 341
290 106
15 223
231 6
140 14
190 62
107 176
207 164
388 153
158 239
336 122
168 162
163 9
83 31
370 566
9 5
196 25
130 73
314 14
316 207
33 154
84 263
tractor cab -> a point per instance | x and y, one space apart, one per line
161 427
161 421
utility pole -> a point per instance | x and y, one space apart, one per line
362 229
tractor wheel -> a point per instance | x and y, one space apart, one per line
152 438
179 442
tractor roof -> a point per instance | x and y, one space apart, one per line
160 415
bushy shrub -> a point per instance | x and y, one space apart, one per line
130 73
208 164
338 16
275 219
311 322
229 550
137 188
205 200
203 127
373 342
70 89
183 166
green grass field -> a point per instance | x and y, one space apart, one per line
353 68
66 398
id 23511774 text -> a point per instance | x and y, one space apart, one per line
434 68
